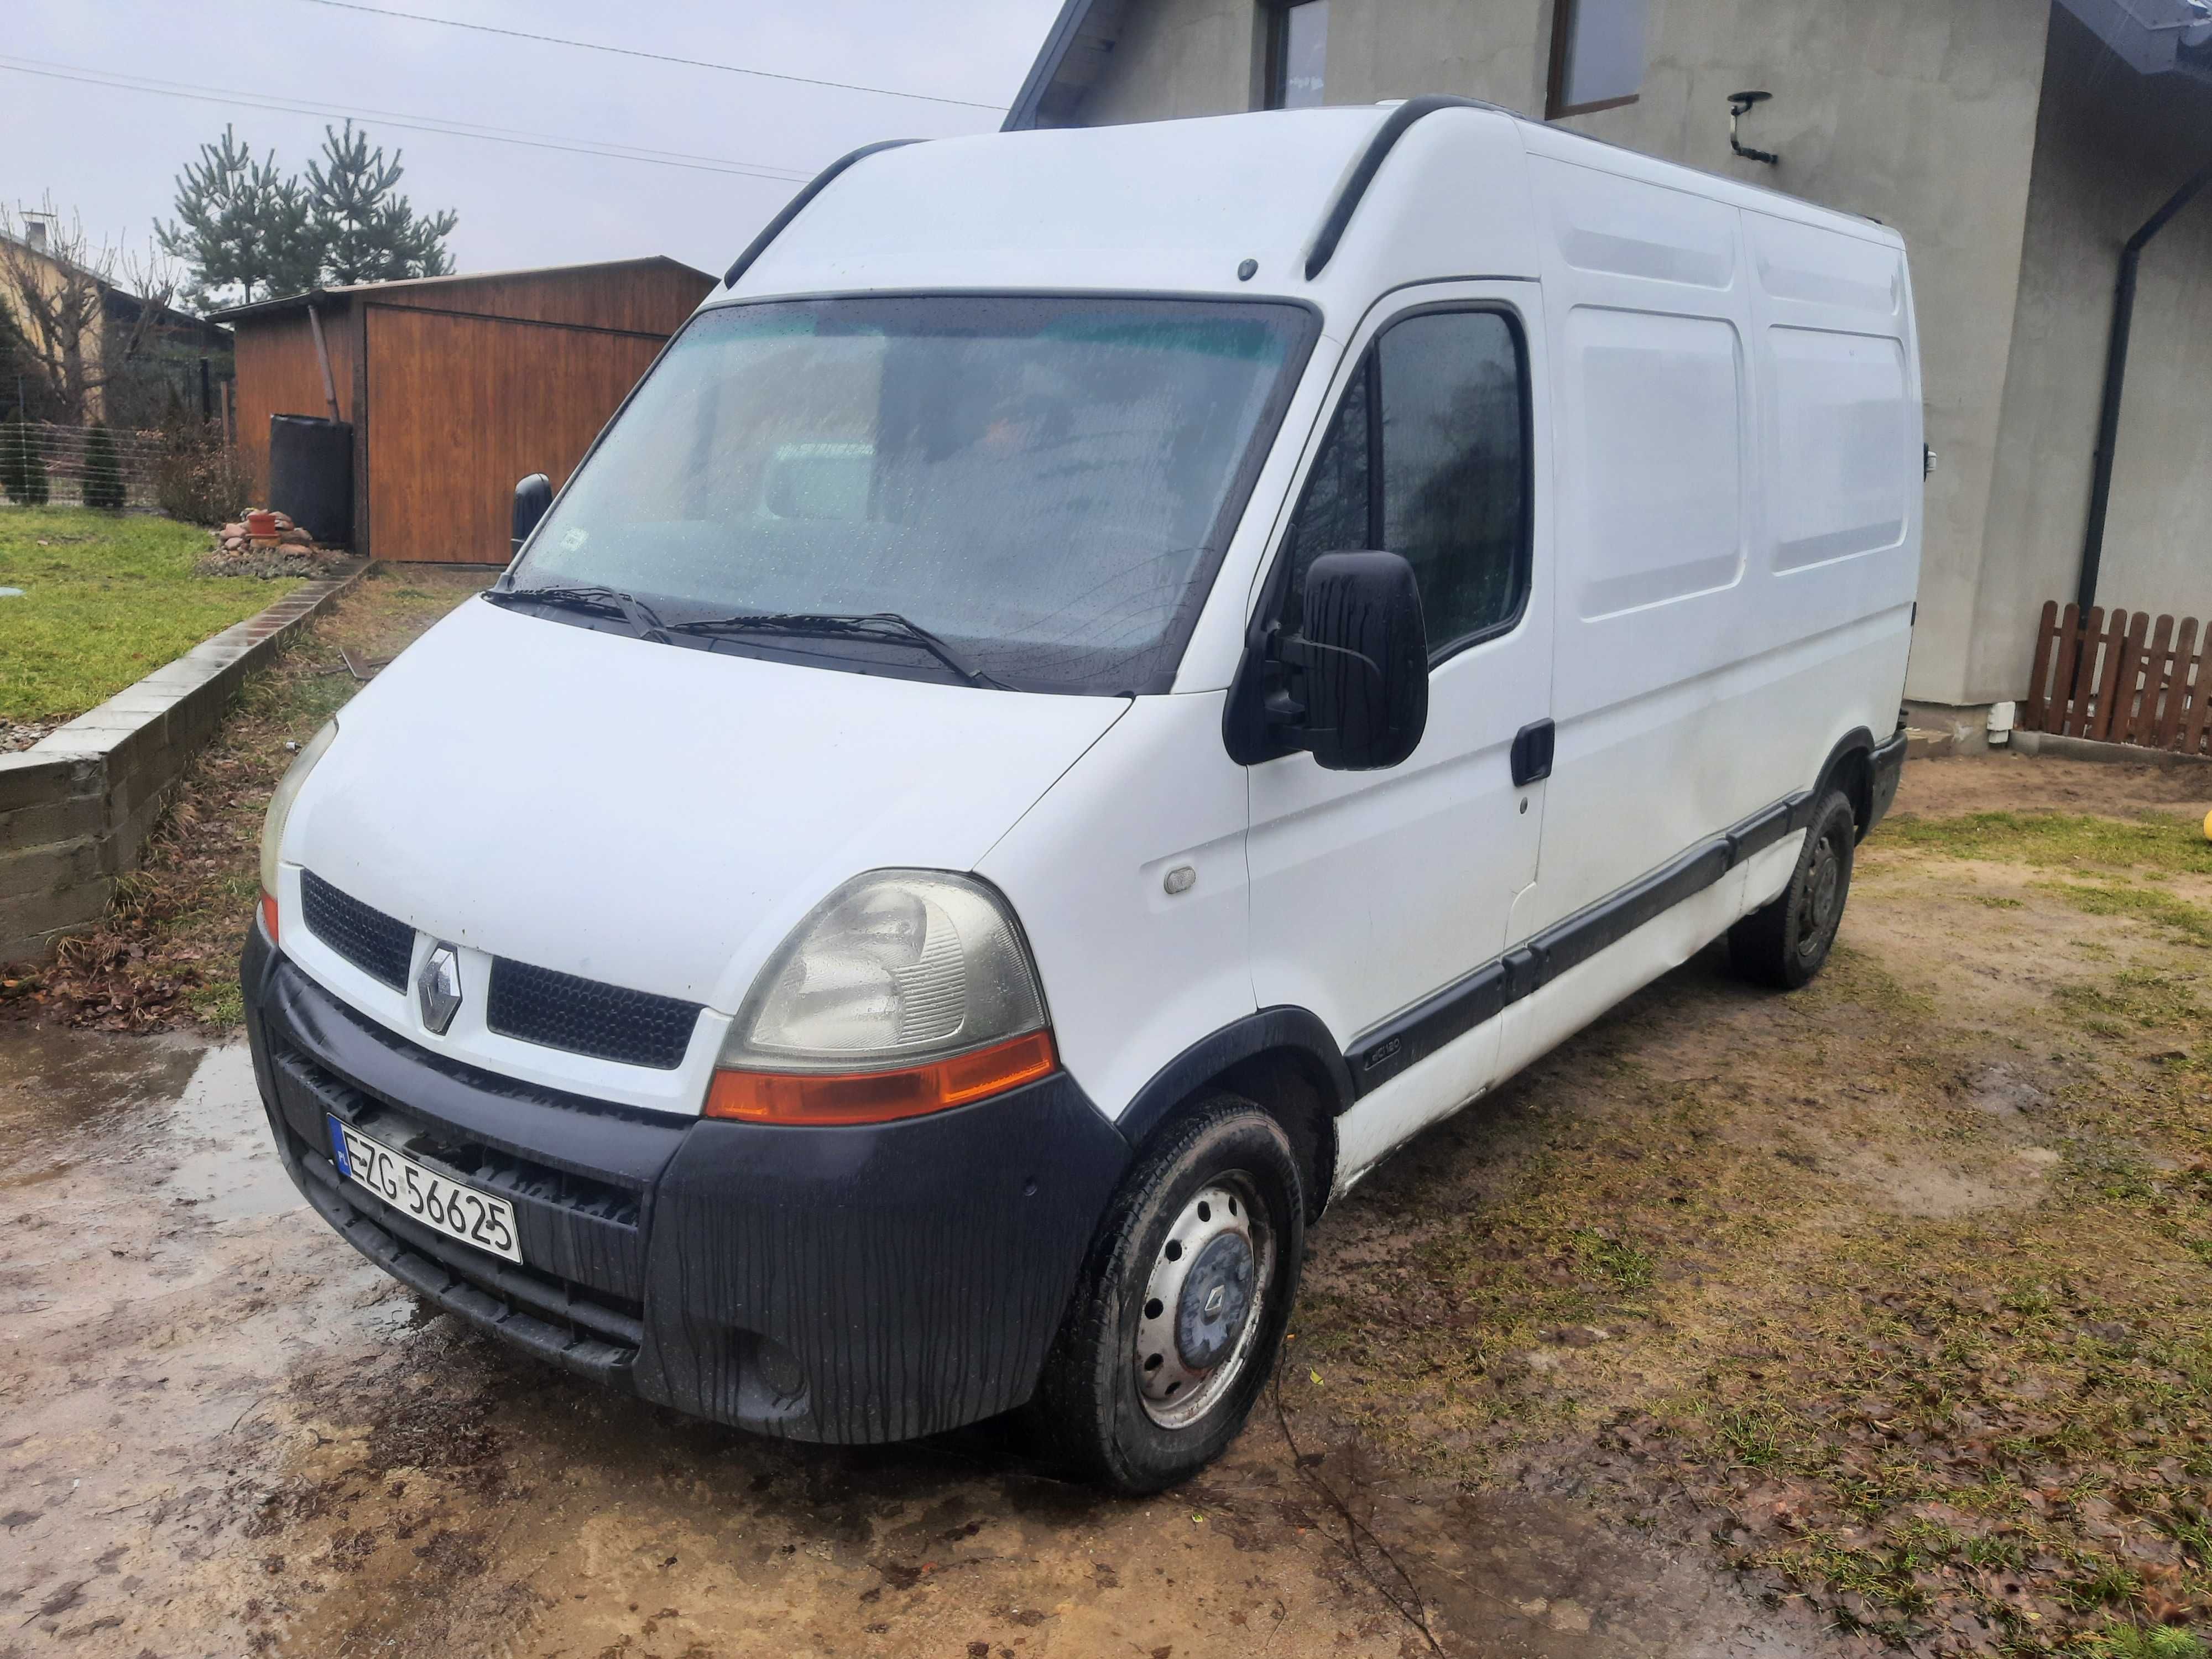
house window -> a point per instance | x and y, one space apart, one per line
1428 457
1597 55
1298 53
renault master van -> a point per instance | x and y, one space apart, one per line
1104 681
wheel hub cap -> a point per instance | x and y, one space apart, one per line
1216 1296
1202 1302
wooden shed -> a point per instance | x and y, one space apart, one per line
457 387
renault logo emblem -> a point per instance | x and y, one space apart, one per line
438 988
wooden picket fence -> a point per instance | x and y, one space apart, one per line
2118 677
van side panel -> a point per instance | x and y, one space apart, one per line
1738 478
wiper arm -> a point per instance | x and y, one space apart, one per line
592 599
873 625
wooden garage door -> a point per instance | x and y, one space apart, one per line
459 407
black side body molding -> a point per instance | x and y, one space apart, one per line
797 206
1371 162
1888 772
1294 1029
1381 1053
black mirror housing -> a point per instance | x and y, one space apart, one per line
1362 660
532 496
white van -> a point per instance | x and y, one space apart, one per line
1104 682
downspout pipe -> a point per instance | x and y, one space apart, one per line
2116 374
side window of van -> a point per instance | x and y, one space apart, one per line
1441 477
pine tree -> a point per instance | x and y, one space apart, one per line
22 462
369 232
103 470
243 229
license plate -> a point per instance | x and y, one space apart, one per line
445 1207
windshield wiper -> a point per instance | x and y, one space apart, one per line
593 600
887 625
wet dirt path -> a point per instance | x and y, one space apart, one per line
223 1433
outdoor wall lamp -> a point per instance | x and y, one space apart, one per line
1738 103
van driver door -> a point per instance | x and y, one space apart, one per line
1380 900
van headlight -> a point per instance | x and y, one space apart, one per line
280 808
904 991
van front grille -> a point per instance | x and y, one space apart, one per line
381 946
560 1010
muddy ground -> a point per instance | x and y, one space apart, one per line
1582 1372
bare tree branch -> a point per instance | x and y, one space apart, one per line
80 311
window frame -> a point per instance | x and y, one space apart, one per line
1555 86
1367 370
1275 53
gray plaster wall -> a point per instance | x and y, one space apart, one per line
2110 149
1919 112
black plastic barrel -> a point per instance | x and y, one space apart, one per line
311 475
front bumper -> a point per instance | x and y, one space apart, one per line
851 1284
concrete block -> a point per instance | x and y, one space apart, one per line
28 924
38 869
46 821
30 778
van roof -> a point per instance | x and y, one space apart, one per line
1179 206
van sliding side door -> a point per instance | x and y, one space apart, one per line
1376 895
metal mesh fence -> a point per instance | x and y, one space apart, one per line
64 448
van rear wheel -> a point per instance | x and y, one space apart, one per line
1185 1292
1785 943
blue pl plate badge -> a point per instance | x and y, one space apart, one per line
337 1147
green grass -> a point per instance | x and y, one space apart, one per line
2152 841
2192 922
106 601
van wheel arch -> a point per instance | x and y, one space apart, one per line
1850 768
1283 1061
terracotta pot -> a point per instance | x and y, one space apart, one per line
261 524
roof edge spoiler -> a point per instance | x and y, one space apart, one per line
797 204
1371 162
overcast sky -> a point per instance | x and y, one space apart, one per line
111 154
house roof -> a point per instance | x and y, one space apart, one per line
123 299
260 308
1075 49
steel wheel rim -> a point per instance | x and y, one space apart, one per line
1822 904
1179 1379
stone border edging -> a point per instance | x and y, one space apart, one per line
77 806
2089 749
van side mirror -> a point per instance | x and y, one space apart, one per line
531 498
1357 673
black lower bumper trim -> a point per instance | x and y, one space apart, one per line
602 1361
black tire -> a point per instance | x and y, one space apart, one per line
1785 943
1094 1404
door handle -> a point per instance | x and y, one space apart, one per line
1532 753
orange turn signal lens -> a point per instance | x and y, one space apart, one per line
881 1096
269 915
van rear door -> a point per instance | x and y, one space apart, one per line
1375 895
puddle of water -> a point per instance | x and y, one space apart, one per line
66 1096
231 1172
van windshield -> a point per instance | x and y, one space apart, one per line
1044 485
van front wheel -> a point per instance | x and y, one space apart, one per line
1785 943
1186 1292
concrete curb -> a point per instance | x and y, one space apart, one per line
2089 749
75 807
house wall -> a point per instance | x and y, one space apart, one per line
1919 112
2110 149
